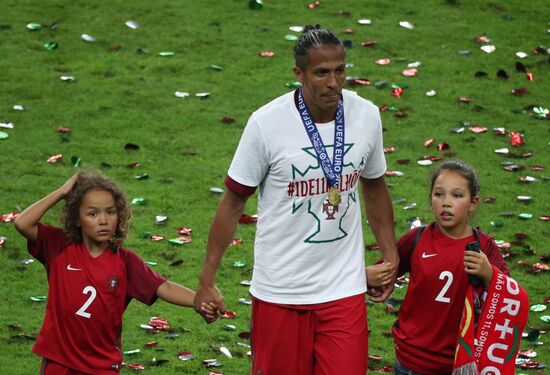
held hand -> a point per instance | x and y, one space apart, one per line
66 188
478 265
208 303
380 294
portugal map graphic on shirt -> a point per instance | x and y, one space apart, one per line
308 191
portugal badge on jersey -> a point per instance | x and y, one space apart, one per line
113 284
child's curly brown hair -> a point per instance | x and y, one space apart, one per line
89 180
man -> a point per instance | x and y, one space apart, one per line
307 151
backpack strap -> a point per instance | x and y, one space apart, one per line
417 238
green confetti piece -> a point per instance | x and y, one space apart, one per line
146 235
139 201
229 327
50 46
143 176
34 26
75 161
497 223
3 135
39 298
255 4
216 67
133 351
525 216
149 263
176 242
399 85
545 318
293 85
166 53
291 38
239 264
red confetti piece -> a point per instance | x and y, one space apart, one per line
464 99
403 161
477 129
530 76
244 335
159 323
227 120
154 237
489 200
236 241
383 108
62 129
151 344
516 139
537 168
135 366
389 150
429 142
229 314
519 91
397 92
314 5
368 43
545 218
348 31
184 239
541 267
442 146
372 246
185 231
482 39
267 54
520 67
248 219
409 72
382 61
359 82
375 357
54 158
6 218
2 241
499 131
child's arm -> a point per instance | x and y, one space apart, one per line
179 295
27 221
478 265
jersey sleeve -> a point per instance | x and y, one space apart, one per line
404 247
376 162
250 162
143 282
494 254
49 242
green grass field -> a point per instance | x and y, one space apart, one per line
123 92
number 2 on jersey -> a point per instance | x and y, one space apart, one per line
82 311
441 296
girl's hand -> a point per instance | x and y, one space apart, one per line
209 312
68 185
478 265
379 274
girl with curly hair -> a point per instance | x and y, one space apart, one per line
91 278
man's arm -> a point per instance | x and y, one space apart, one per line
379 210
221 233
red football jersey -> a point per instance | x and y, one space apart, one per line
86 299
426 330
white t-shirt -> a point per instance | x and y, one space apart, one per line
307 251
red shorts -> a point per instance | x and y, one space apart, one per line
53 368
326 338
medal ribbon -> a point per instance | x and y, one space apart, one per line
332 170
